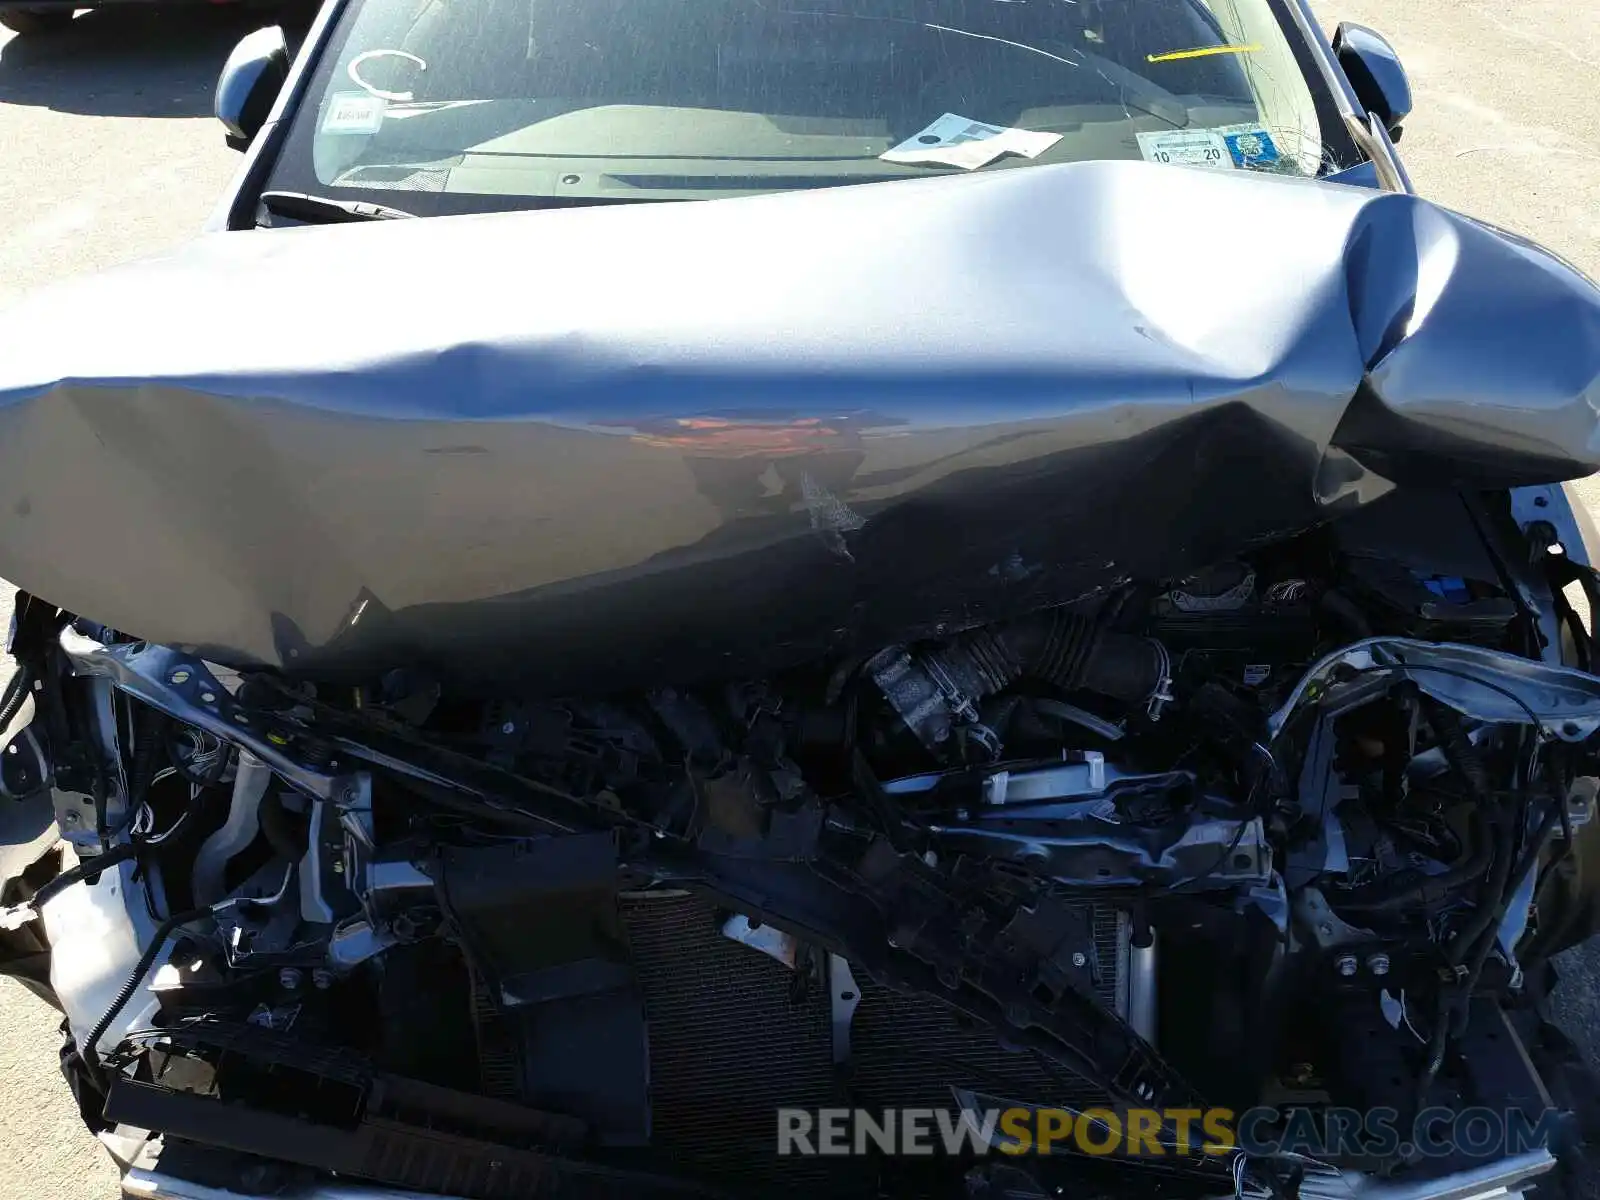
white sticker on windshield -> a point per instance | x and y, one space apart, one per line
1187 147
354 112
962 142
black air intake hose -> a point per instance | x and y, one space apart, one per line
1063 649
1069 651
1072 652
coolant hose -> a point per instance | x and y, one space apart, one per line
287 839
91 1054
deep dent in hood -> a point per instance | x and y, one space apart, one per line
591 448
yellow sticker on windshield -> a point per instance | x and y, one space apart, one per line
1200 52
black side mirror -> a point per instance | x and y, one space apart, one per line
1374 71
250 82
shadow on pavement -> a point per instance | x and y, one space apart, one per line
132 61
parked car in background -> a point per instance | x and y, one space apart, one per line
881 598
31 17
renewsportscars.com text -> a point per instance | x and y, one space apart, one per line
1435 1132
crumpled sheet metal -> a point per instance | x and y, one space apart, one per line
1486 685
586 448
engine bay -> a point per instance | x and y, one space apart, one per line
1302 830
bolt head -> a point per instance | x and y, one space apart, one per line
322 979
1347 965
1079 958
509 727
290 978
180 677
70 817
1378 964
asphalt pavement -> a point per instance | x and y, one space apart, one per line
107 152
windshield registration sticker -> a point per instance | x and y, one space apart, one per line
1187 147
962 142
354 112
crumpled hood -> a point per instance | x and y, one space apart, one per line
595 447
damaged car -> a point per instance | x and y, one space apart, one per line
1051 636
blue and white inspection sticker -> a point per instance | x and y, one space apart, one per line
1250 146
1186 147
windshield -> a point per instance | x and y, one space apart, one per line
520 102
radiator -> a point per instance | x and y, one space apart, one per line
734 1035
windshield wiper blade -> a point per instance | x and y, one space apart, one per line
326 209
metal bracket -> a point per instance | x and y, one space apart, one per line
183 687
843 997
340 837
1316 919
24 769
188 689
1565 701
